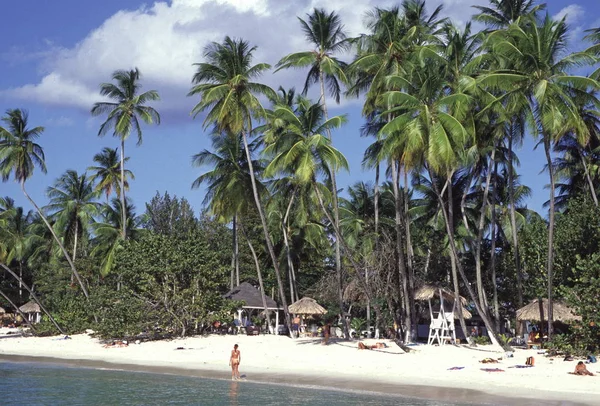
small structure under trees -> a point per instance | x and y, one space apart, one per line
32 310
252 299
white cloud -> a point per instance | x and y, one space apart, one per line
61 121
164 40
572 12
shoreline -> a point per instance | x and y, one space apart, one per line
276 360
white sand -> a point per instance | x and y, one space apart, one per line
276 357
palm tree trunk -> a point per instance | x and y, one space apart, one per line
17 310
236 254
75 240
454 259
233 254
409 258
336 218
33 296
493 247
454 252
123 211
550 264
62 247
284 227
403 274
259 275
268 241
376 206
513 224
480 229
20 281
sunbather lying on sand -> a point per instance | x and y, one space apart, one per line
363 346
116 344
581 369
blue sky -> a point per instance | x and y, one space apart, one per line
54 54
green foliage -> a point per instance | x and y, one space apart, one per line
482 340
169 215
181 276
120 313
358 324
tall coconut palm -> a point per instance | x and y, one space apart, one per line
541 75
19 155
228 185
124 112
107 173
229 97
325 32
72 204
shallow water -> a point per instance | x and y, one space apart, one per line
47 384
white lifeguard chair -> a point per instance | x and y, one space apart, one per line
441 328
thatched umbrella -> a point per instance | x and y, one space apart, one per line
306 305
561 311
428 292
2 311
30 307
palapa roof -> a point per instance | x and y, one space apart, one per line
306 305
2 311
251 297
560 311
30 307
428 292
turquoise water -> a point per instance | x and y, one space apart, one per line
47 384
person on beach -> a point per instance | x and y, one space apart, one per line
296 325
234 362
581 369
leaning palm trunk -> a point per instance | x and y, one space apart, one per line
290 263
454 253
260 279
234 253
376 206
336 218
409 258
402 272
62 247
33 296
550 264
10 302
123 208
267 235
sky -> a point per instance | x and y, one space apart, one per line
55 54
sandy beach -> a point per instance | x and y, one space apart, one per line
422 373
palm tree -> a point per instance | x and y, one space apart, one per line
541 76
325 33
108 172
14 235
108 232
124 114
73 205
19 155
503 13
228 184
230 98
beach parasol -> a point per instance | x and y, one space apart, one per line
428 292
30 307
560 311
306 305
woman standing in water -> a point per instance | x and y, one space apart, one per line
234 361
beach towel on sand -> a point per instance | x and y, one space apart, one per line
492 370
455 368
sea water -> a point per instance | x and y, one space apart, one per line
48 384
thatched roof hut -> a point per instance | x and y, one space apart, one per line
560 311
428 292
306 305
2 311
251 297
30 307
